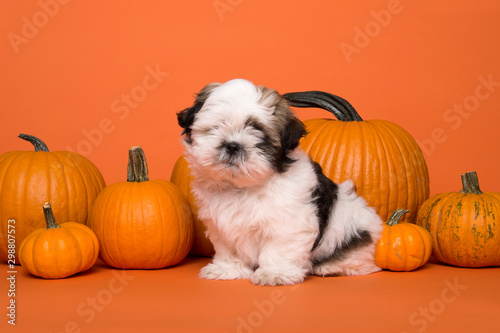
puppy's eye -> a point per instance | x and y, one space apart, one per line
213 130
254 124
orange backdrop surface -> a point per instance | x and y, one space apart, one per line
98 77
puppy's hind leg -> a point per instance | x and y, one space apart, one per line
357 262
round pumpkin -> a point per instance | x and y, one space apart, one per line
465 225
383 159
28 179
142 223
181 177
403 246
58 251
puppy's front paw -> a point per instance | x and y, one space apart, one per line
277 277
225 271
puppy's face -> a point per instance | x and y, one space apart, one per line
239 133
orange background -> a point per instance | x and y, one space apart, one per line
64 76
64 81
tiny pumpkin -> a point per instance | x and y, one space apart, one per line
181 177
402 246
142 223
58 251
465 225
28 179
383 159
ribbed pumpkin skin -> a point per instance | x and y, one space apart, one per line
403 247
465 228
30 178
59 252
181 177
142 225
382 159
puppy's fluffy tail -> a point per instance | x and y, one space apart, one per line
348 187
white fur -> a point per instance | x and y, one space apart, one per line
263 223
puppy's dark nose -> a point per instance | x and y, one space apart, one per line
232 147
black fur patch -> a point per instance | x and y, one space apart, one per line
265 146
324 196
278 153
185 118
291 135
270 151
362 239
290 138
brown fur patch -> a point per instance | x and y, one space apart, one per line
202 96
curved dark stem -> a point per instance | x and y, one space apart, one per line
36 142
394 218
339 107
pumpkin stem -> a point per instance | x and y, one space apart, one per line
339 107
394 219
49 216
137 170
36 142
470 183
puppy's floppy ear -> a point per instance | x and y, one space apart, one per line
292 133
288 128
186 117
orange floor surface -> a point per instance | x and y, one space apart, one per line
434 298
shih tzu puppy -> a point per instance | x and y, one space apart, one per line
271 214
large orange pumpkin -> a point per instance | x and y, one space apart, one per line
181 177
402 247
382 158
465 225
59 251
142 223
28 179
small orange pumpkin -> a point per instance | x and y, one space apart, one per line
28 179
142 223
384 161
402 246
181 177
58 251
465 225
